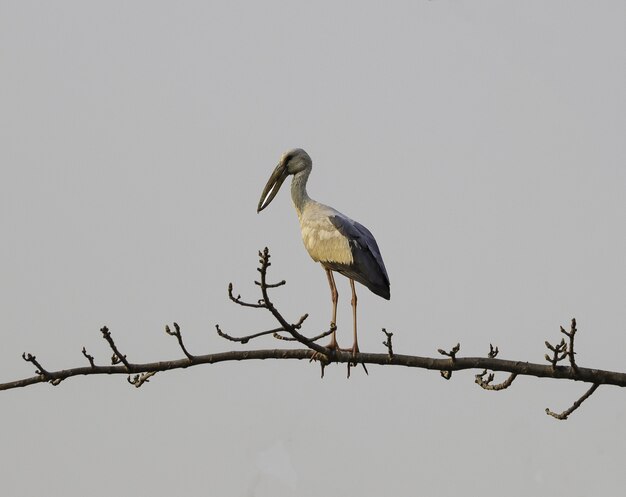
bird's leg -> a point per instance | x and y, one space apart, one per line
355 345
335 298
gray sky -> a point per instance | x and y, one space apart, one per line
481 142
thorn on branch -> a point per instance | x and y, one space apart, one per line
564 415
40 369
387 343
140 379
117 357
486 383
89 358
356 364
323 360
176 333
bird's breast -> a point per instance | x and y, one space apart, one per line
324 242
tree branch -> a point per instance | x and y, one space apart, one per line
565 414
179 336
585 375
313 352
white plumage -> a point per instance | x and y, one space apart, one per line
331 238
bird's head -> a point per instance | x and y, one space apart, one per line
291 162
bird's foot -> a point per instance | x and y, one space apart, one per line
354 349
333 345
354 363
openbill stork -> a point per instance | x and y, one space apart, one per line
333 239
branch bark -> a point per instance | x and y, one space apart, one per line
314 352
587 375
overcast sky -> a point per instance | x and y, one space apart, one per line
481 142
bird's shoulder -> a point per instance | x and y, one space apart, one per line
320 216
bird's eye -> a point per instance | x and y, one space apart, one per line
288 157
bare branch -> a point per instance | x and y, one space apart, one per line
314 352
264 260
271 285
486 383
446 374
140 379
89 358
451 353
237 300
493 352
176 333
40 369
564 415
246 338
387 343
117 357
559 352
274 332
312 339
588 375
570 335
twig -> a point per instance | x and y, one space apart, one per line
271 285
486 383
117 357
247 338
237 300
387 343
312 339
176 333
493 352
266 303
140 379
563 415
40 369
446 374
570 335
451 353
264 260
89 358
559 352
274 332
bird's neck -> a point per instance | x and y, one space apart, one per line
298 191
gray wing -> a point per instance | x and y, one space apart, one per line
368 267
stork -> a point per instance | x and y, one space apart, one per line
334 240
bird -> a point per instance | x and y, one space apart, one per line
331 238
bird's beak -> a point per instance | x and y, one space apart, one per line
273 185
